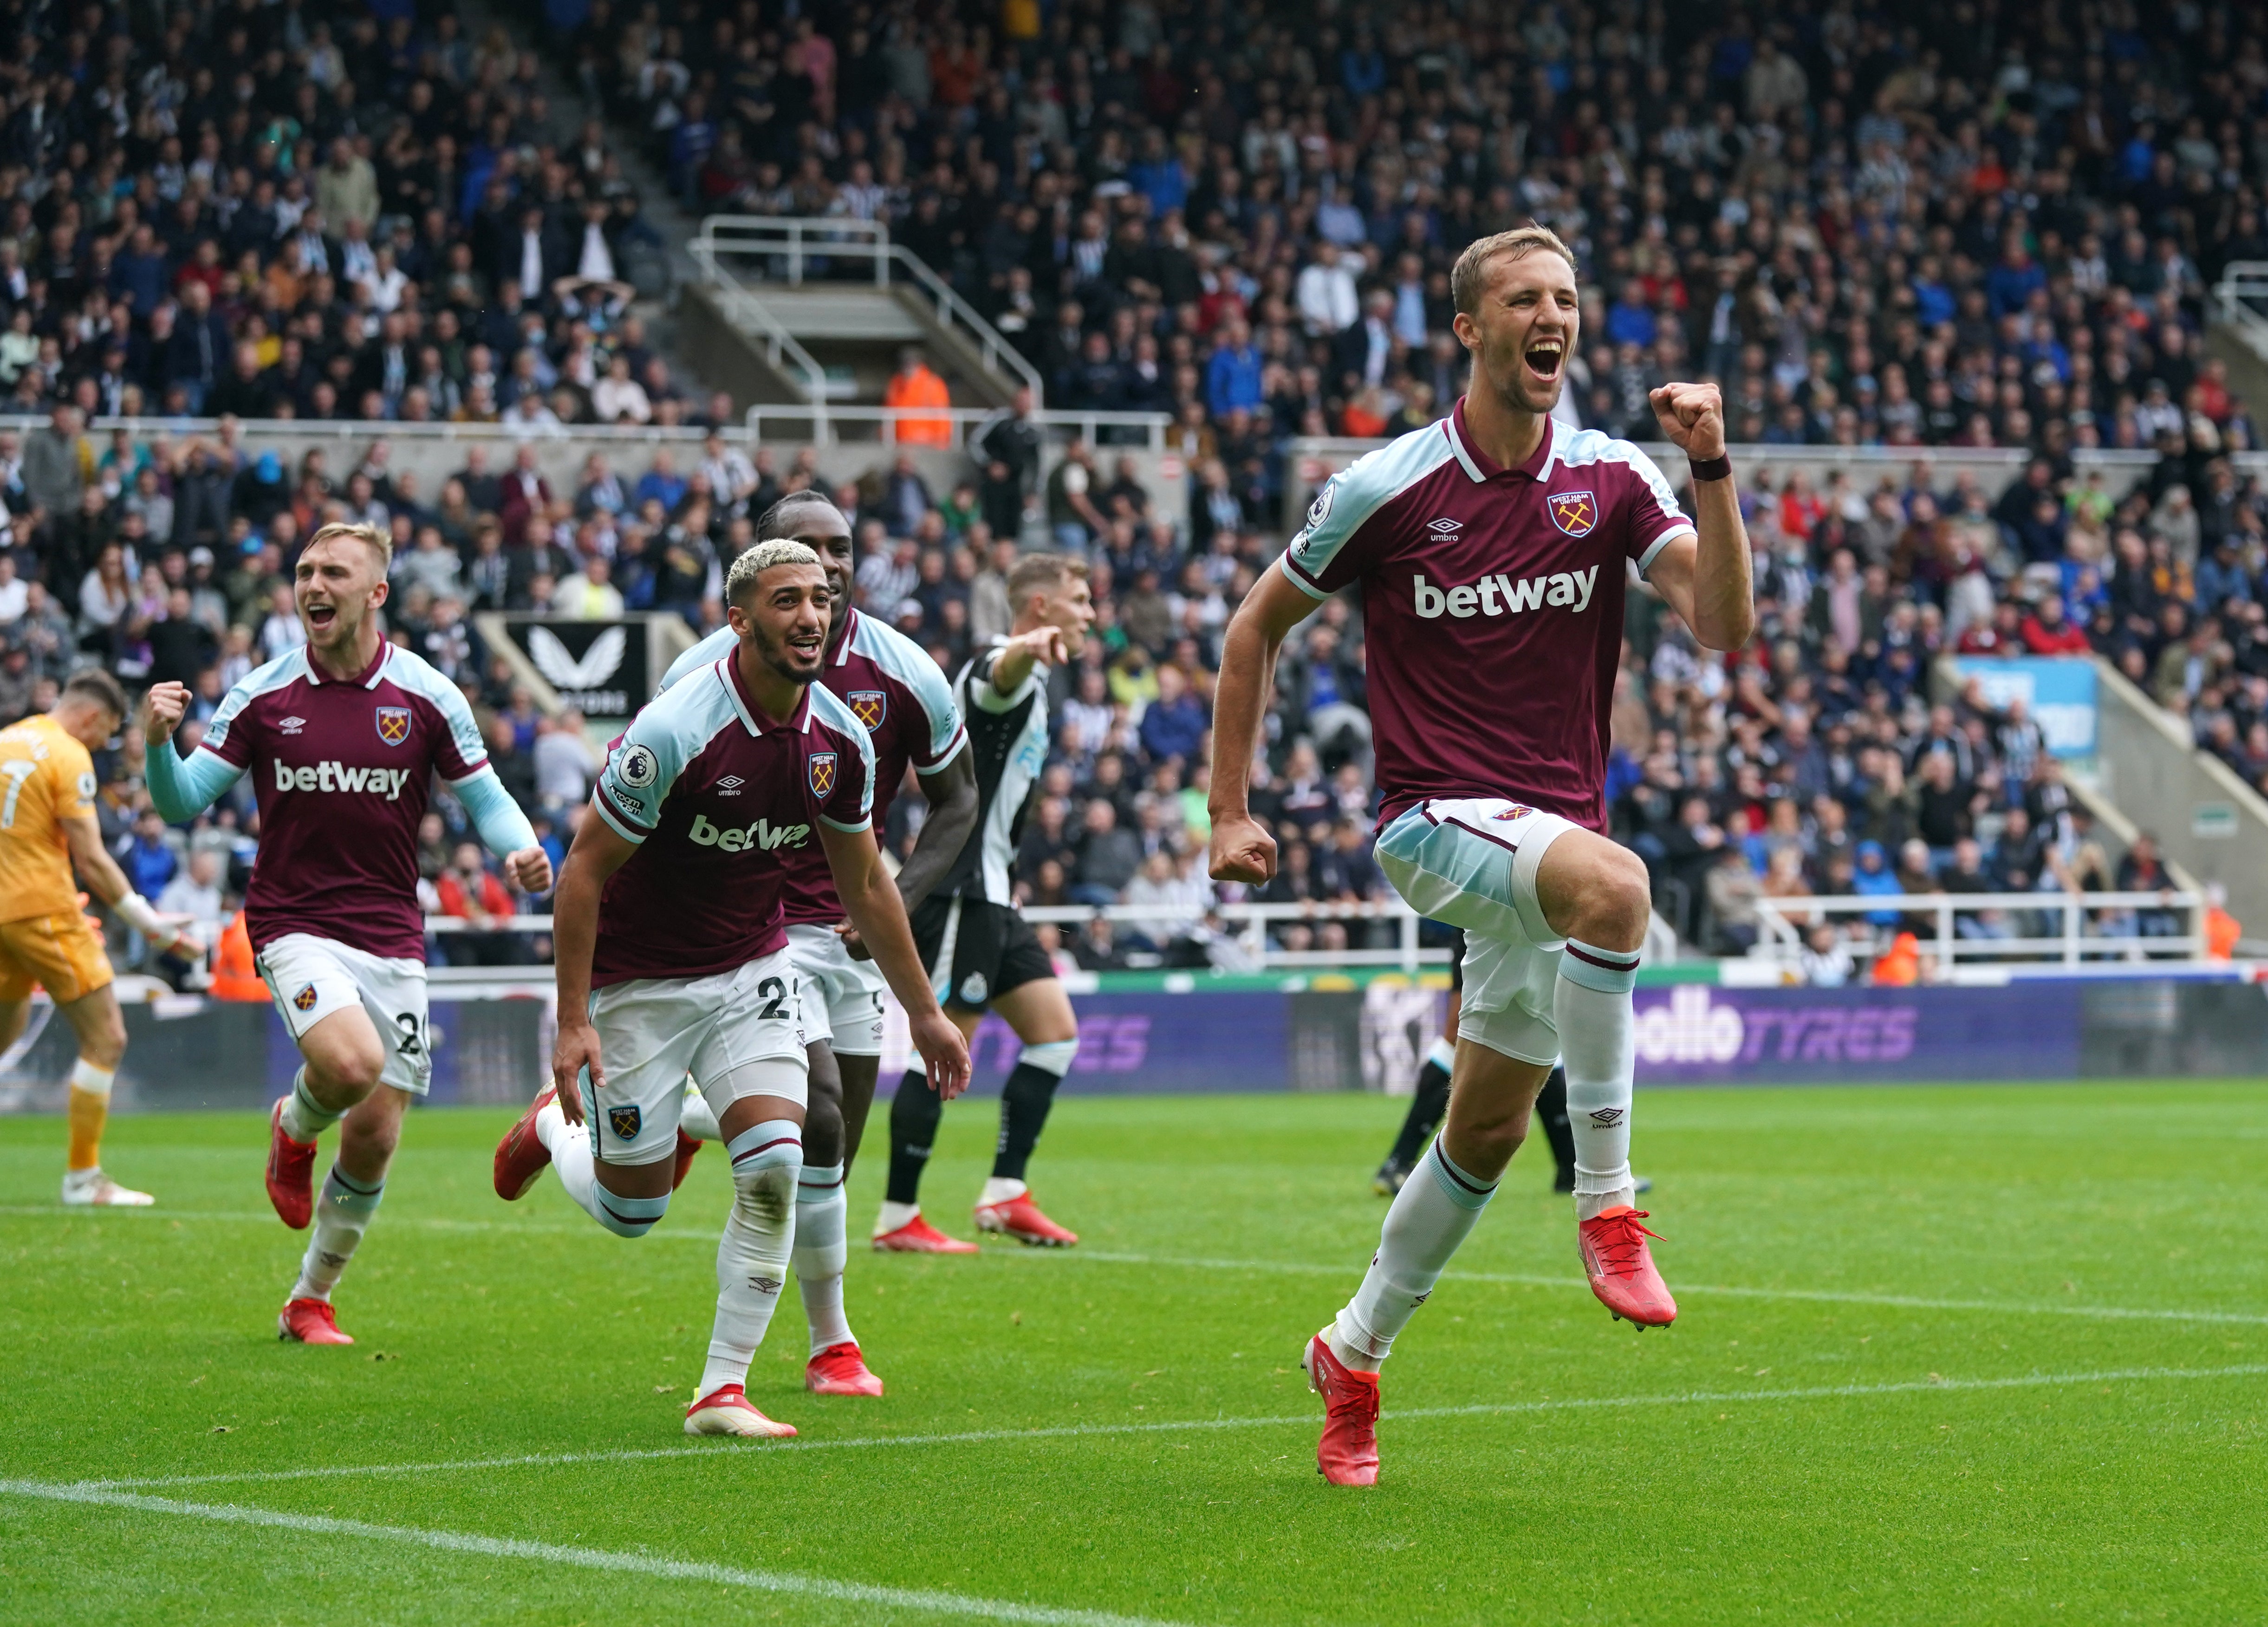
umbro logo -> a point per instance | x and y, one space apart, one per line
1444 526
291 726
1606 1118
730 785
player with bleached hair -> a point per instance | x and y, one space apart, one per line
670 928
1491 549
343 738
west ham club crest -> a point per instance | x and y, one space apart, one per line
1574 512
823 773
869 706
394 724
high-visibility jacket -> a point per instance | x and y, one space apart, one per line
234 976
1899 965
921 387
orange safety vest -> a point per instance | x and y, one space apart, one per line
2221 932
1899 966
921 387
234 976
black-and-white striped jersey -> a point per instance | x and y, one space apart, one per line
1008 740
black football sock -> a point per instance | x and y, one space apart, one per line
914 1116
1426 1108
1551 1113
1024 1103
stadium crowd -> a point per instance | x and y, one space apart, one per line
1962 225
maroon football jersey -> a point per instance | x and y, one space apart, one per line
1492 607
342 769
892 687
718 802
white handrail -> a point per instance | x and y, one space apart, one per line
1068 424
1782 938
794 240
779 342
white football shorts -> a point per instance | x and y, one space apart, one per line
311 977
842 998
1471 862
654 1031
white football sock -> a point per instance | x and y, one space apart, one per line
697 1119
1431 1216
1591 1004
752 1256
823 1217
1442 1054
999 1190
570 1145
895 1215
305 1118
343 1211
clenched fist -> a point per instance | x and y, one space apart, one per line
1693 417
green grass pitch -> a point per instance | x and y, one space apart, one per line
1946 1355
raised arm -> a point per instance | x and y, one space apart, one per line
1705 578
1014 664
504 828
179 789
1242 848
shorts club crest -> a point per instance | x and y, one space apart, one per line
1574 512
305 998
393 723
624 1122
822 772
869 706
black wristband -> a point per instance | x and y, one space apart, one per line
1719 468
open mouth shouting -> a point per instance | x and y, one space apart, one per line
1544 357
806 645
321 614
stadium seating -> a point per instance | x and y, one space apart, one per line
1876 233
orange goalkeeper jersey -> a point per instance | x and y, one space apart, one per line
46 777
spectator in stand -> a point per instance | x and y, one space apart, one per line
920 394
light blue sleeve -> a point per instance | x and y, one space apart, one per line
710 649
180 788
504 828
644 765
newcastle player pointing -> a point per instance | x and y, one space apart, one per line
1491 549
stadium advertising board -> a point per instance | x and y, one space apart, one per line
2058 694
602 669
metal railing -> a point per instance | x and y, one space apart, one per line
1983 926
963 424
791 247
781 348
2240 300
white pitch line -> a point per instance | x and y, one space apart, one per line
1299 1268
1059 1432
927 1600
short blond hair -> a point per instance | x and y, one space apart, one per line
380 543
1041 573
741 578
1470 273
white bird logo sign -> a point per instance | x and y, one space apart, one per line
598 662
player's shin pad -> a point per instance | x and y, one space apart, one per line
344 1213
1437 1207
1591 1006
752 1256
822 1213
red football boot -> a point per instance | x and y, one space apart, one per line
686 1149
1020 1218
290 1173
1621 1268
521 1158
1348 1453
918 1236
310 1322
726 1411
840 1370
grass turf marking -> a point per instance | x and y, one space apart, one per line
1059 1432
1893 1302
927 1600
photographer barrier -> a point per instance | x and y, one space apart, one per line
188 1053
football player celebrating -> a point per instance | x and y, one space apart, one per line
47 828
897 692
672 952
343 738
1492 549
